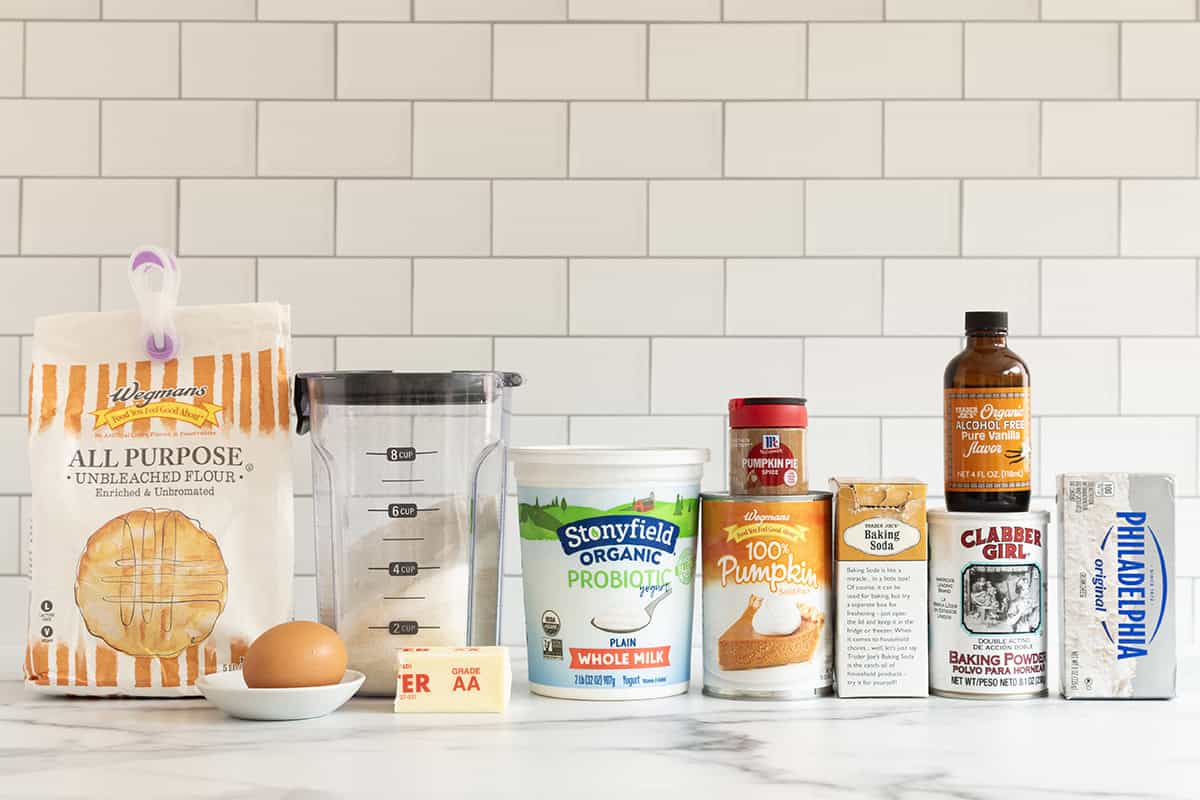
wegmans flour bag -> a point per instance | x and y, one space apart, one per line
162 492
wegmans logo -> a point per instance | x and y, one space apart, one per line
138 404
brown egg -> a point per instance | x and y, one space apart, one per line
295 654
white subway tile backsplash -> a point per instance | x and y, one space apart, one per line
424 218
1119 9
208 281
349 10
10 216
512 613
1160 60
502 140
1119 139
1120 444
49 137
892 60
625 296
10 544
1159 376
649 10
571 218
99 59
537 288
1024 60
913 447
262 60
419 61
824 296
41 286
929 296
727 218
744 61
179 9
804 139
836 369
414 353
953 139
487 10
783 10
578 375
261 217
732 368
10 367
1187 548
12 59
344 138
1158 218
661 431
341 295
838 446
1071 376
14 472
312 354
50 9
1095 297
576 62
646 207
962 9
63 216
878 218
1039 218
197 138
304 590
640 139
305 553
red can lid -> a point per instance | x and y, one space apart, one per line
768 412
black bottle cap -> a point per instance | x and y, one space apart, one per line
987 321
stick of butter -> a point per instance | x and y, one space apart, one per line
453 679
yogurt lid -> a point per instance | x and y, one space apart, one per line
610 456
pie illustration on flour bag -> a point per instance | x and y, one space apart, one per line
162 491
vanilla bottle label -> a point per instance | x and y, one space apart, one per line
987 439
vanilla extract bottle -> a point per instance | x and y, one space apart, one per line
987 421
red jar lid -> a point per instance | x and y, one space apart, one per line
768 412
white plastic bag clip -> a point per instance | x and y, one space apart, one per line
155 277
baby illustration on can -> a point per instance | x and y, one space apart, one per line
766 567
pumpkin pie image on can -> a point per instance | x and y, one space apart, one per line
766 567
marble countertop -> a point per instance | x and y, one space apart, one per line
824 748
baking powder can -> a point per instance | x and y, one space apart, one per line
767 596
987 604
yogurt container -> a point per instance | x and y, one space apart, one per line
608 550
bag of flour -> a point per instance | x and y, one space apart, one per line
162 493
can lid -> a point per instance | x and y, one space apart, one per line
575 455
768 412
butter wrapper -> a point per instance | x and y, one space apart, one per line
1117 557
453 679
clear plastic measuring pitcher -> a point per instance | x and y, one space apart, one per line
409 473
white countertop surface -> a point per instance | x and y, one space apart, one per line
688 745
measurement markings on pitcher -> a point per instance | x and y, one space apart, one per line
403 627
401 569
401 453
403 510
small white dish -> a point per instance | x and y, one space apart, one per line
228 692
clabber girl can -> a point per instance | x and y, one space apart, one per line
987 604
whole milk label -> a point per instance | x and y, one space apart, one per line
987 439
608 586
987 604
767 596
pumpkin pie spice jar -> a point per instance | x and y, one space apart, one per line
766 446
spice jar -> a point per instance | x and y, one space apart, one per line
766 445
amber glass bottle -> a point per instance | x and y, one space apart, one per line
987 421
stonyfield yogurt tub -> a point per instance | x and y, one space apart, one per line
608 551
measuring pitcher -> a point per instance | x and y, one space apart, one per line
409 474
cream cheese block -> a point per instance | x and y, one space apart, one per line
453 679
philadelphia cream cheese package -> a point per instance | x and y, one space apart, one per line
1117 556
